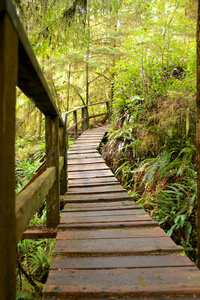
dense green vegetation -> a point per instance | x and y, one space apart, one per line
141 55
152 146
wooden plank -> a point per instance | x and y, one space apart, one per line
84 144
88 139
8 82
30 200
96 190
90 174
101 208
86 161
113 204
83 155
65 218
89 167
127 212
146 282
85 150
116 262
116 246
179 297
39 232
93 181
138 223
111 233
104 197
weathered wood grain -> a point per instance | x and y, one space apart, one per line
90 174
8 82
65 218
120 246
138 223
111 233
96 190
85 161
89 167
145 282
104 197
30 200
73 182
122 262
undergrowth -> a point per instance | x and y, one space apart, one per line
151 147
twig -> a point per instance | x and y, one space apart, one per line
29 278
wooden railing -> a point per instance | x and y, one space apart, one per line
83 121
19 67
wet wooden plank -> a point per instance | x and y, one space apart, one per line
101 206
116 262
145 282
138 223
89 167
90 174
127 212
93 181
89 139
94 208
98 197
83 151
116 246
85 161
111 233
85 144
39 232
96 190
83 155
179 297
65 218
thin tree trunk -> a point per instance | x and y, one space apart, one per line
69 81
198 134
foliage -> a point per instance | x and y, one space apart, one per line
30 154
35 257
151 147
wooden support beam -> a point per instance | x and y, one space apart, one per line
76 125
52 160
8 82
83 118
39 232
63 136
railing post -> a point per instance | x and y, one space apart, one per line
108 110
83 117
76 126
63 152
87 116
8 82
52 159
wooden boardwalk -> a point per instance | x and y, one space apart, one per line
107 247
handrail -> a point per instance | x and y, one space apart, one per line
85 116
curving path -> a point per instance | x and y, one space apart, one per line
107 247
